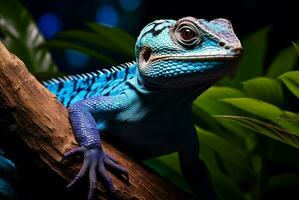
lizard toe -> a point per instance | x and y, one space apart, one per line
73 152
106 179
92 181
113 166
80 175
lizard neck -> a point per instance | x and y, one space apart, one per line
169 96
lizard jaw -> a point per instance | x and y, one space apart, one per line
203 58
190 69
224 56
146 56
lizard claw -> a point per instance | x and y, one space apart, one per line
95 162
111 164
111 158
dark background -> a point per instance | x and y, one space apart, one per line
245 15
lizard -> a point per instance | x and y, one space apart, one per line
146 104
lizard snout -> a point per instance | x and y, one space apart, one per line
236 51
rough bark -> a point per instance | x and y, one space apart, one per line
42 124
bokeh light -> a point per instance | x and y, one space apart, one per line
49 24
107 15
76 59
129 5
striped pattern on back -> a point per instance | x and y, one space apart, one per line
73 88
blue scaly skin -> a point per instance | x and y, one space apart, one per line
147 104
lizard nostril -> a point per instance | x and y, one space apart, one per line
221 44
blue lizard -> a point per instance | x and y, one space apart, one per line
147 104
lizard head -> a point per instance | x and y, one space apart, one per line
186 52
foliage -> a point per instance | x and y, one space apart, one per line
22 37
100 42
245 123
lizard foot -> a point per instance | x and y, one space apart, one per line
95 163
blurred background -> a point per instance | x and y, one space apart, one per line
54 16
247 124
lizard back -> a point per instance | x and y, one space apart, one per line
73 88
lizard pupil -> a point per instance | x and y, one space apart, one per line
187 34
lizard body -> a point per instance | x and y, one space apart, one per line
147 104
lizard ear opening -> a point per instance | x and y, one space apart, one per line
145 54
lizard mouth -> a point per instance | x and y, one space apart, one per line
203 58
147 57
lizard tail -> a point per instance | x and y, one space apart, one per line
73 88
8 174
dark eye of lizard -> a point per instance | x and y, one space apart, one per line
187 34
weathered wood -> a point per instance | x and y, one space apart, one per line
42 123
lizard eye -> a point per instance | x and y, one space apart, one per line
187 34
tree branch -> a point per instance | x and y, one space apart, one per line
42 124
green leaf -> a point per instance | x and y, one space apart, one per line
267 129
22 36
208 104
225 186
283 181
266 111
252 61
208 101
168 167
233 158
99 40
291 80
255 107
60 44
284 62
296 47
116 36
265 89
289 116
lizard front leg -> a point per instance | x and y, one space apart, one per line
194 169
85 128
